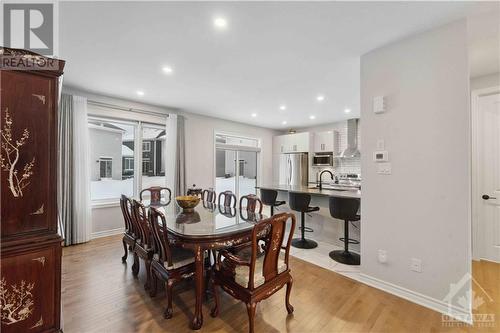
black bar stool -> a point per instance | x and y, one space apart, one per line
300 202
345 209
268 197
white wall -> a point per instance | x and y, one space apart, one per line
422 209
199 150
200 138
485 81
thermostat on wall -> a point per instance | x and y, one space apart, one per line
381 156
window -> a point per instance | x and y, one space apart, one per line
146 166
128 163
114 156
105 168
153 161
236 164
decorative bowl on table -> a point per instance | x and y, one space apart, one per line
187 202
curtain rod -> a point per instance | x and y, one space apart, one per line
122 108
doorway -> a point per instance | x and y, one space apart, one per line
236 164
486 174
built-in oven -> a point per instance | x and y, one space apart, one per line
323 159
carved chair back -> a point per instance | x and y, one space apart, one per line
126 207
267 240
208 195
227 211
155 194
229 199
140 217
160 235
252 202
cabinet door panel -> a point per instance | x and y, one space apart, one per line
28 173
29 290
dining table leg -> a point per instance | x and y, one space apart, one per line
199 288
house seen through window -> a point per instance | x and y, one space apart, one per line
113 154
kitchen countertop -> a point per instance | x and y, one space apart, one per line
350 193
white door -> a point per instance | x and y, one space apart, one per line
488 177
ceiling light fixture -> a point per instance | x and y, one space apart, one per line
220 23
320 98
283 122
140 93
167 70
347 110
312 117
254 115
282 107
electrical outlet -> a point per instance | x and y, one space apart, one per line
416 265
382 256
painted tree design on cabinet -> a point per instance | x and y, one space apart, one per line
30 284
9 156
16 302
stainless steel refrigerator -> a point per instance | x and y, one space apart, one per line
294 169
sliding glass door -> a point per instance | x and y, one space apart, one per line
236 165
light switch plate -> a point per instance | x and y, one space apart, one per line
416 265
384 168
379 104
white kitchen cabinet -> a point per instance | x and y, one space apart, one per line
292 143
323 142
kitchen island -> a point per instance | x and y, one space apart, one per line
326 229
328 191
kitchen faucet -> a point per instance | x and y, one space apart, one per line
321 174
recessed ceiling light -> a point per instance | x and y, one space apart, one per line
312 117
347 110
320 98
140 92
283 107
220 23
254 115
167 70
284 122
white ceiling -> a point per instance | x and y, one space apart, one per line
270 54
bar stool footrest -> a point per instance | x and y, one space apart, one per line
351 241
307 229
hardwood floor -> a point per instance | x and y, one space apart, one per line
101 295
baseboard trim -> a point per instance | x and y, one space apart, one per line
415 297
106 233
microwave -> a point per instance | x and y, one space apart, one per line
323 160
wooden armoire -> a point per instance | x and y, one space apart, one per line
30 290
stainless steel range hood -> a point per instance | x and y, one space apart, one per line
352 140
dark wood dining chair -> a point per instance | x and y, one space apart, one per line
227 211
170 264
155 194
229 199
208 195
255 277
144 243
252 201
129 236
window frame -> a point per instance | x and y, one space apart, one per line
237 149
148 143
138 153
126 162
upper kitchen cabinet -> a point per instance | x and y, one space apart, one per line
323 142
292 143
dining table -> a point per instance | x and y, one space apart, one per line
208 227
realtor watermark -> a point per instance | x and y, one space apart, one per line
29 26
472 299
